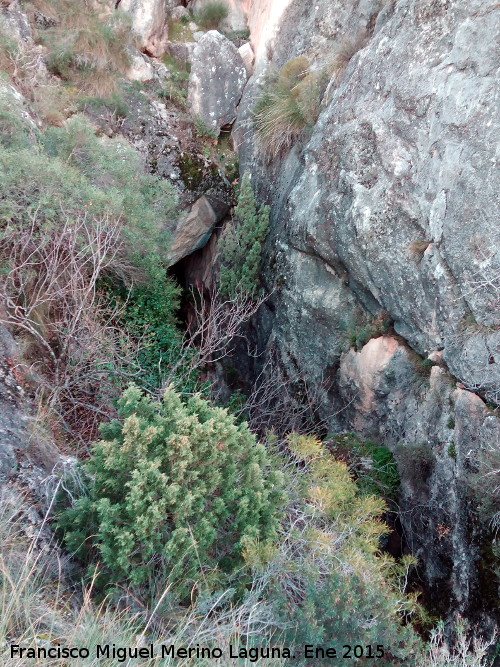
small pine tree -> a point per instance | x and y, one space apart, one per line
174 489
241 245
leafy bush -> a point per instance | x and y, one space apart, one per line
173 488
241 245
73 172
203 130
358 333
147 313
211 14
288 104
176 88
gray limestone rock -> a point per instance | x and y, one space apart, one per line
218 75
436 432
149 22
195 227
394 187
389 206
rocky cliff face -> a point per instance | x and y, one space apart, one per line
385 210
383 222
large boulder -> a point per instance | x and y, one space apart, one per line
150 23
218 76
194 228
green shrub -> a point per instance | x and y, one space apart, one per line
176 88
452 450
415 461
202 129
211 14
147 314
114 104
174 489
359 333
288 104
109 176
75 209
373 464
241 245
334 587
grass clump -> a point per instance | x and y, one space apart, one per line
287 105
211 14
176 88
85 49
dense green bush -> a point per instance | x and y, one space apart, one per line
75 209
71 172
147 314
241 245
211 14
373 464
175 490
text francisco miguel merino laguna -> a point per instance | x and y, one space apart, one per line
254 654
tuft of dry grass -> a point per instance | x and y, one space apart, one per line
85 48
288 104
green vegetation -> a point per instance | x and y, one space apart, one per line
359 334
452 450
451 422
187 528
202 129
211 14
241 245
288 104
357 591
83 49
174 490
75 209
415 460
179 31
373 465
176 87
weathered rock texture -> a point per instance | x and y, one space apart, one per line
150 23
194 228
218 75
14 419
436 431
386 208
